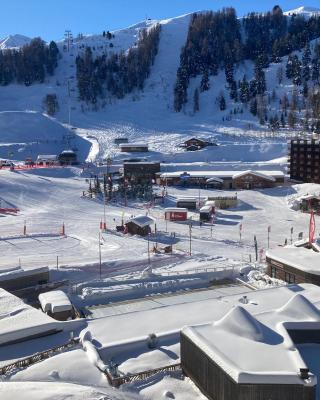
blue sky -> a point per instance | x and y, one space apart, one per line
49 18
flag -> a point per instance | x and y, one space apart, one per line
269 228
240 227
312 227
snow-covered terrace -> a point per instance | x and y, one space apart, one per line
170 317
306 260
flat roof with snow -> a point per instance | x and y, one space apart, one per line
221 174
18 272
47 157
133 145
256 348
175 209
170 316
19 321
55 301
306 260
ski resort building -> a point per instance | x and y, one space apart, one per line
141 172
310 203
176 214
17 278
304 160
252 356
67 157
223 179
139 225
121 140
133 147
48 159
294 264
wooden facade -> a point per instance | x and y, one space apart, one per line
133 148
140 172
23 280
251 181
216 384
135 229
290 274
304 160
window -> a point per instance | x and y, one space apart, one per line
289 278
273 272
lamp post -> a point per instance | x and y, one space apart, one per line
190 239
149 249
100 264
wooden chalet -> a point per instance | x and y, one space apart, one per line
134 147
139 225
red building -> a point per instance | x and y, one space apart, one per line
176 214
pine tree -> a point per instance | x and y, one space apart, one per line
222 102
205 84
254 107
244 90
283 120
306 59
291 119
233 91
196 101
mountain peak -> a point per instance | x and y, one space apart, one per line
14 41
304 10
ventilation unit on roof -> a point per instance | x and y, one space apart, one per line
304 373
244 300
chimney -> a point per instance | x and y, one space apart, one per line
304 373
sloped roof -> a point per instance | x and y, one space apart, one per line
254 173
142 220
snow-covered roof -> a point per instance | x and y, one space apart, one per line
142 220
253 345
18 320
258 174
133 145
67 152
176 209
206 208
258 348
220 174
18 272
187 199
214 179
47 157
55 301
306 260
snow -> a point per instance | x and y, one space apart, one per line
258 174
223 174
243 332
60 391
18 321
55 301
304 11
142 220
14 41
18 272
306 260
